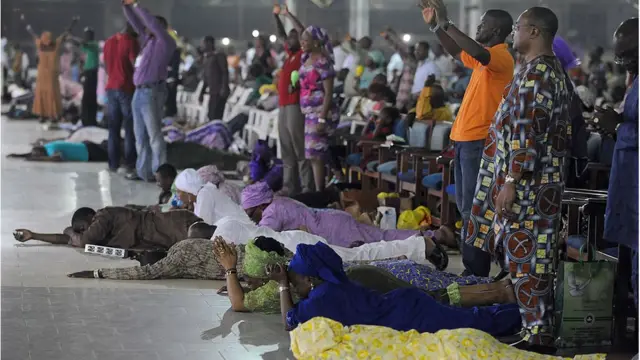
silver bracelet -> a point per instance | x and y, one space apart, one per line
283 288
435 28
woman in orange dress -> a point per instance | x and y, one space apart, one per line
47 102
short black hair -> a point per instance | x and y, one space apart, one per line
269 244
209 39
504 21
424 44
201 230
167 171
82 214
162 21
391 111
544 19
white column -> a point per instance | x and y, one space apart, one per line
462 15
359 15
476 9
292 5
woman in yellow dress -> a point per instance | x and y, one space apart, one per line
322 338
47 102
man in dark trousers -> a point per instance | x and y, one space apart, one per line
216 77
120 52
91 51
173 79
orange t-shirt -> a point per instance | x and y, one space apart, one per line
483 94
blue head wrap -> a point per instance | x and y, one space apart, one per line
319 261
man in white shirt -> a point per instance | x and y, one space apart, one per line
425 68
208 202
339 55
443 61
394 68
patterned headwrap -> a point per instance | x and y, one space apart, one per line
564 53
319 261
256 194
255 260
189 181
321 35
210 173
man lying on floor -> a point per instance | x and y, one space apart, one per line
181 155
61 150
193 258
119 227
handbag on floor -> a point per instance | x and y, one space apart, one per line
584 303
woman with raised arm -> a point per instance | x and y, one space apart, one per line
47 102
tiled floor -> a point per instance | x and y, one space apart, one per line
47 316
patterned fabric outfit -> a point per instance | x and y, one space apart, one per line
422 276
188 259
321 338
47 102
530 135
312 74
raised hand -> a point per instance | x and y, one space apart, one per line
429 16
441 10
225 253
276 9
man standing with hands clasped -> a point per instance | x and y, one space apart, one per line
297 168
150 76
492 67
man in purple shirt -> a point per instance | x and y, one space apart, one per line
149 77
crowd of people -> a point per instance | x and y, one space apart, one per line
527 113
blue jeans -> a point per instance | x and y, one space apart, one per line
468 155
119 108
147 105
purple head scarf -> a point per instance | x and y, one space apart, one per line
564 53
321 35
256 194
260 161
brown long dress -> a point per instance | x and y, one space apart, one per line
47 102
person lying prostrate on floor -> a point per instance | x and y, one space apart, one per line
193 258
165 176
336 226
211 174
61 150
205 199
421 249
316 275
119 227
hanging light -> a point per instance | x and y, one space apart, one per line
406 38
255 33
273 38
226 41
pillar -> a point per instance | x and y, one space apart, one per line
359 18
292 6
476 9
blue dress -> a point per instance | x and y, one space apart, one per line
403 309
621 217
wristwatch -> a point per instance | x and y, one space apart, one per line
446 25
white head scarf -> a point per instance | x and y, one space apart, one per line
189 181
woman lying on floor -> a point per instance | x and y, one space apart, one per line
262 254
194 257
316 274
337 226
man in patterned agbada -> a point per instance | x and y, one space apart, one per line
517 203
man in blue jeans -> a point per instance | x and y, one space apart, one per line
151 89
492 66
120 52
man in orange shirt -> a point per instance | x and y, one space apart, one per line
492 66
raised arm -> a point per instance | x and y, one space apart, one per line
451 38
392 38
150 22
68 30
282 33
296 23
134 21
29 28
